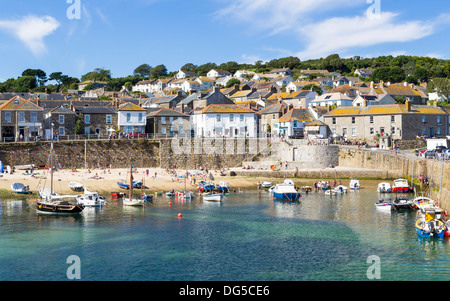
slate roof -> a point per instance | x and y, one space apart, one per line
302 115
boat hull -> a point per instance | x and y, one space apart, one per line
439 233
213 197
400 189
133 202
286 196
46 208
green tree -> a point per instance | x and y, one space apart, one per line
142 70
98 74
232 82
158 71
39 75
79 124
25 83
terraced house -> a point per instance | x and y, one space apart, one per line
20 119
399 121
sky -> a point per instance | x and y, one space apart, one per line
76 36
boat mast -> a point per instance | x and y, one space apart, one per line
85 165
51 162
131 184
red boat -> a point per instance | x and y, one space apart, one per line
401 185
116 194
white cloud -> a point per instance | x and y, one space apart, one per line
277 16
339 34
32 30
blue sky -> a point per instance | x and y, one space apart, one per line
120 35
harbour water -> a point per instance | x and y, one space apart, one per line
247 237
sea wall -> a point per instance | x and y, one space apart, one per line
403 165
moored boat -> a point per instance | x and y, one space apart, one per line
91 199
402 203
130 201
217 197
76 186
20 188
116 194
184 194
286 191
266 184
400 186
354 184
384 187
423 202
382 205
430 224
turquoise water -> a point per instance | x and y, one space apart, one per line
247 237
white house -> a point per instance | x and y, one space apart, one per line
131 118
329 99
225 120
364 72
184 74
218 73
144 86
222 81
283 81
244 73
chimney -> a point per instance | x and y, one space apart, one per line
408 105
182 107
371 85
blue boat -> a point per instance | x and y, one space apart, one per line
123 185
430 224
286 192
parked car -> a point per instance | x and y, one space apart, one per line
429 154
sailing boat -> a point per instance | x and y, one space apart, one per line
89 198
130 201
54 203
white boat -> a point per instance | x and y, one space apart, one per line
286 191
383 206
217 197
266 184
184 194
384 187
130 201
20 188
354 184
91 199
400 185
330 192
170 193
75 186
423 203
341 189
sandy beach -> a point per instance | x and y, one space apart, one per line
105 180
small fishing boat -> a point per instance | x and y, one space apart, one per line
20 188
170 193
91 199
430 224
123 185
184 194
384 187
341 189
147 197
354 184
402 203
423 202
217 197
266 184
400 186
158 193
76 186
382 205
286 191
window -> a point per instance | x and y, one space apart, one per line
7 116
424 130
241 117
333 120
108 119
392 119
61 131
231 117
87 119
170 120
87 130
61 119
438 130
424 118
371 131
353 120
21 116
344 132
393 130
163 130
180 120
128 117
33 117
438 119
353 131
163 120
371 119
141 117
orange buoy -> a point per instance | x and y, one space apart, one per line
180 215
170 204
